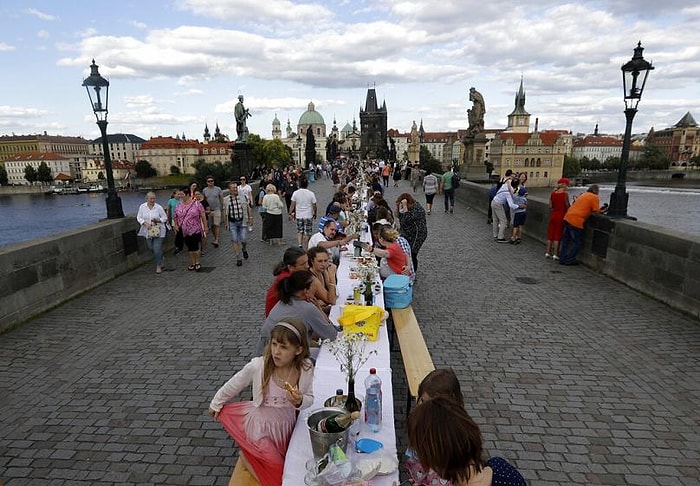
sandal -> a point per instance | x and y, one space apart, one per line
191 267
197 267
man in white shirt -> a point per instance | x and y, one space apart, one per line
246 191
326 239
303 211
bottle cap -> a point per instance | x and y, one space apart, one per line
339 391
372 371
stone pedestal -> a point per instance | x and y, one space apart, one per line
242 159
474 168
414 154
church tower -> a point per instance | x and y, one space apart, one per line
373 126
519 119
276 128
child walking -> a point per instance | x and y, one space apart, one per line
282 382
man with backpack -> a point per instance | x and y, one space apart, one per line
447 187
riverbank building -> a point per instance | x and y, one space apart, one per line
539 153
679 143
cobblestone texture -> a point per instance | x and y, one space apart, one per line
574 378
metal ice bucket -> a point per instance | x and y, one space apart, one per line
322 441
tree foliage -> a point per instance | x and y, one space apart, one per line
3 176
144 169
428 162
30 174
652 158
571 167
43 173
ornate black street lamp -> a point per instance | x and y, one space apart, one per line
97 89
634 77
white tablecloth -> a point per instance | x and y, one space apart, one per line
328 378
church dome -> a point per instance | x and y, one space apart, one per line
311 116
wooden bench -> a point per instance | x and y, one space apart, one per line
416 358
241 476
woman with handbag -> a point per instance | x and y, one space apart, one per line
152 218
190 216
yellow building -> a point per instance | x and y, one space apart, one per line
75 149
540 154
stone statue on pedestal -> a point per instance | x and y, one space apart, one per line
241 114
476 114
414 146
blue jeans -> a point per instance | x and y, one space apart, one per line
238 231
571 243
449 199
156 246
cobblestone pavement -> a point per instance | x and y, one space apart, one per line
574 378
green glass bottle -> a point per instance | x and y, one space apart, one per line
337 423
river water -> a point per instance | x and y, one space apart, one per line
31 216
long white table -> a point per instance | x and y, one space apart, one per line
328 377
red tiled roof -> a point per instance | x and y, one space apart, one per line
168 142
548 137
62 177
600 140
29 156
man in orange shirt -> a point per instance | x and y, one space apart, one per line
574 220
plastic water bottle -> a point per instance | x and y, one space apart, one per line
373 401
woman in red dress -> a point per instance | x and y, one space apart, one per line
558 204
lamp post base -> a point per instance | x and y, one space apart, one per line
618 204
114 206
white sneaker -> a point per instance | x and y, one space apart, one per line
554 257
547 255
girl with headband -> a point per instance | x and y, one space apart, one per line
282 380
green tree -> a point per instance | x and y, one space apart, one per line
3 176
43 173
428 162
611 163
174 169
654 158
571 167
257 148
30 174
144 169
694 161
274 152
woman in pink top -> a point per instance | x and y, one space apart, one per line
190 216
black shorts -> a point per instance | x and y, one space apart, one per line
192 241
429 198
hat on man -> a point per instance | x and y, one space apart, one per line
563 180
383 222
334 209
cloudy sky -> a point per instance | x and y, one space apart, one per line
175 64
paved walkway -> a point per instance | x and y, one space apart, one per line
574 378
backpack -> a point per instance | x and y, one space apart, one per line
455 181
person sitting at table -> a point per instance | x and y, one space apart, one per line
332 214
388 220
438 383
393 259
282 381
295 295
324 288
329 240
448 441
293 260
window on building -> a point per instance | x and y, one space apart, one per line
545 174
537 174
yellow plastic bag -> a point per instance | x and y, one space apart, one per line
362 319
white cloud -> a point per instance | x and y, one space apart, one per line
20 111
43 34
6 47
41 15
139 25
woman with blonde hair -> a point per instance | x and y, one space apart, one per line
393 258
274 206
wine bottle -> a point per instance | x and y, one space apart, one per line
337 423
351 404
338 399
